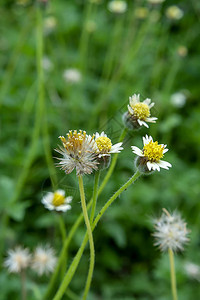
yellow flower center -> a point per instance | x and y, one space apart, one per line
153 151
58 199
104 144
141 110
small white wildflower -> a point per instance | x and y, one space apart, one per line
151 154
104 145
117 6
178 99
57 201
170 231
18 259
78 153
72 75
192 270
174 12
44 260
138 113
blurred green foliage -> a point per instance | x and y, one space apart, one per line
117 55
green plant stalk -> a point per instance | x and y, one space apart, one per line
64 237
89 233
94 197
173 274
23 284
70 273
78 222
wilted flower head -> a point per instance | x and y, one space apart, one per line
78 153
170 231
72 75
174 12
18 259
57 201
50 24
192 270
117 6
44 260
182 51
149 158
138 113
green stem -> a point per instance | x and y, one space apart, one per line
95 194
64 236
91 242
62 227
72 269
55 275
23 284
173 274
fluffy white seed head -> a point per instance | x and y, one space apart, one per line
170 231
17 260
44 260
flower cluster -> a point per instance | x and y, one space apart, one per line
170 231
85 152
42 261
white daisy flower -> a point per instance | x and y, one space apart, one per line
140 111
151 154
78 153
44 260
170 231
18 259
57 201
104 145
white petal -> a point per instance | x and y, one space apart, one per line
96 135
63 207
164 164
147 101
165 150
61 192
68 199
142 123
137 151
130 110
150 166
103 134
151 105
152 120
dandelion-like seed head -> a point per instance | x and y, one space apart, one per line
79 152
57 201
44 260
170 231
18 259
149 158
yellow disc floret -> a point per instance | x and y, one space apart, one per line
58 199
153 151
104 144
141 111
